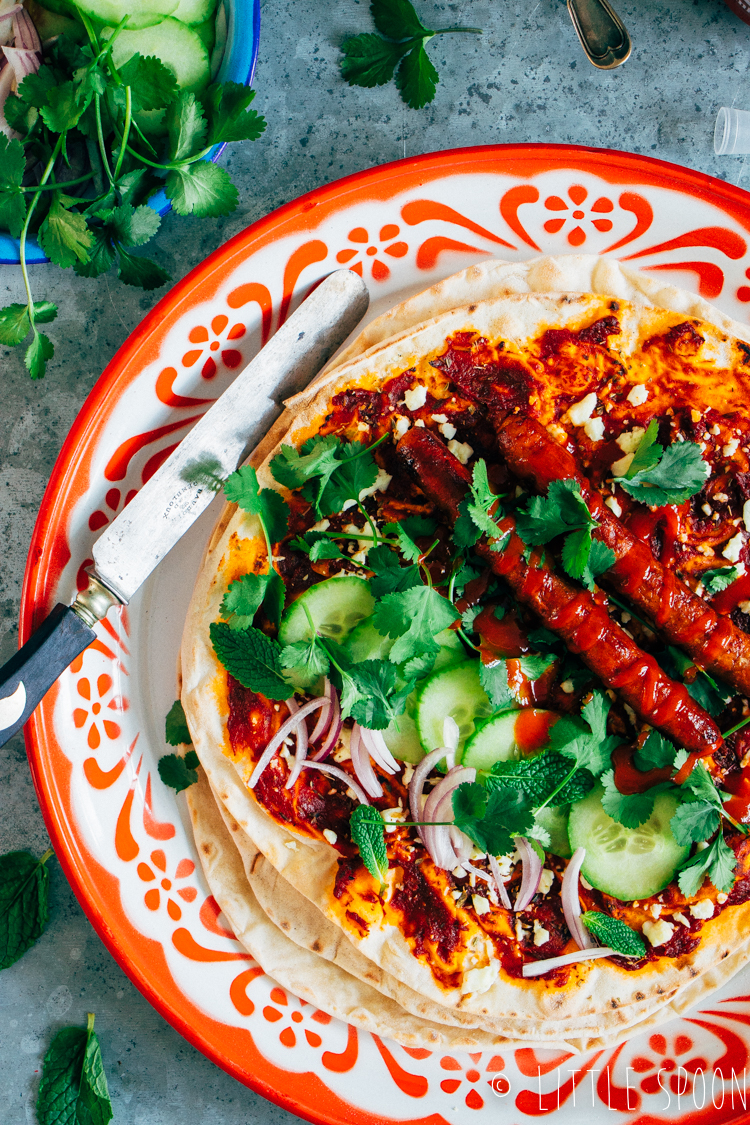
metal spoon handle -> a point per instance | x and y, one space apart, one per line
601 31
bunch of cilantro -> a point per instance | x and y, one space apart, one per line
78 120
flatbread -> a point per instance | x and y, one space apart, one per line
613 998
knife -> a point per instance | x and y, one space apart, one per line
176 495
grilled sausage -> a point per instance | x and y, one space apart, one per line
714 642
569 611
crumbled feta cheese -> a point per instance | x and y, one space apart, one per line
638 394
480 903
448 430
479 980
520 931
629 442
439 417
419 424
545 882
680 917
655 910
408 774
291 844
567 686
721 898
594 429
321 525
721 497
613 505
415 397
401 426
731 447
458 872
619 468
392 814
541 936
460 449
342 754
330 835
557 432
702 909
658 933
707 509
733 547
746 514
363 428
695 415
580 412
380 484
716 429
744 607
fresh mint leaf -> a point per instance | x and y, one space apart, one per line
73 1089
242 488
714 581
628 809
656 753
397 19
229 117
186 127
63 235
416 78
176 731
389 576
541 776
614 933
252 658
201 189
179 772
679 474
380 702
718 861
153 84
38 352
369 60
24 884
368 835
414 617
534 666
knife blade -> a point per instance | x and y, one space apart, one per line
182 488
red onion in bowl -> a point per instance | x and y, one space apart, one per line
362 764
499 882
538 968
571 904
342 775
286 727
532 873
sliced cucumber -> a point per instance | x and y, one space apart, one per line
206 32
335 606
193 12
454 691
627 863
178 47
140 13
506 735
556 822
402 737
366 643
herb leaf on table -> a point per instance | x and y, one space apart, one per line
179 772
24 885
73 1089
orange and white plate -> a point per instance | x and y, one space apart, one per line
123 838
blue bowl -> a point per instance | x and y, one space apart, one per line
238 65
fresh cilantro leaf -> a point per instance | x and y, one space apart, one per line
308 657
141 272
243 599
33 89
506 812
101 254
186 126
397 19
678 475
369 60
545 640
14 324
356 472
704 689
534 666
201 189
700 784
20 116
73 1089
563 509
419 527
419 666
379 701
12 201
406 544
465 531
63 106
132 226
694 821
317 545
368 835
494 679
655 754
176 731
416 78
389 576
586 739
614 933
179 772
153 84
242 488
585 558
648 453
228 113
541 777
628 809
317 457
718 861
469 616
252 658
414 617
596 712
714 581
24 884
38 352
63 235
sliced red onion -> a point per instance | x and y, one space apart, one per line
302 745
436 837
7 78
538 968
451 735
362 764
375 743
324 718
24 32
499 882
462 845
532 873
477 871
571 904
22 62
342 775
285 728
7 30
416 785
334 729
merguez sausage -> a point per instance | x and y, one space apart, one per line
682 617
569 611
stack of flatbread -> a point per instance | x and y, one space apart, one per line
274 885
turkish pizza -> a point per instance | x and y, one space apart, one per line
467 665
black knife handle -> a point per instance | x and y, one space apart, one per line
28 676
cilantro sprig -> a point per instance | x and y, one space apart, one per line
563 511
78 121
246 594
372 60
714 581
659 476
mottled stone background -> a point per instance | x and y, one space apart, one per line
525 79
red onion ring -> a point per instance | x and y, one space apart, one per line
8 33
342 775
462 845
302 746
499 882
451 735
571 904
532 873
478 872
23 62
375 743
538 968
416 785
324 718
362 764
437 842
25 33
285 728
334 729
6 85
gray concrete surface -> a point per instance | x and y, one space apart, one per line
524 80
